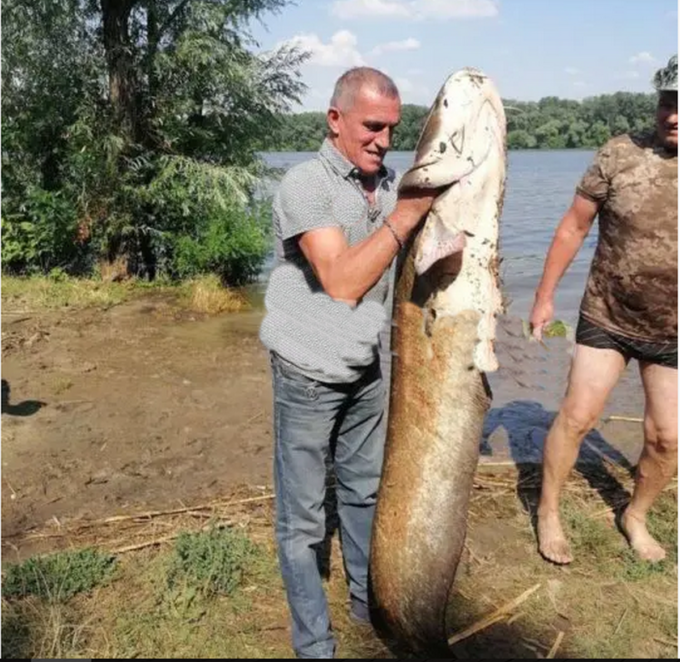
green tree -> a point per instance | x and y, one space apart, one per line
127 109
550 123
521 139
598 134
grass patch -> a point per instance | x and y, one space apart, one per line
608 603
207 295
634 570
218 594
37 629
204 294
211 562
58 577
590 538
606 549
663 524
212 596
43 292
15 632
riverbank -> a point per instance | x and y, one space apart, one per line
126 407
114 392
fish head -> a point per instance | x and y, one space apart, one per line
465 126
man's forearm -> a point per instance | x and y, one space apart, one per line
358 268
563 249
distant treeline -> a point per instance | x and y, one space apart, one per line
551 123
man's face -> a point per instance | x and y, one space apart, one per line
667 119
363 132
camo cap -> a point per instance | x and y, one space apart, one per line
667 77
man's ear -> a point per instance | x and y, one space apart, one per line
333 119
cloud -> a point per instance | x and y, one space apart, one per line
409 44
341 51
411 92
405 85
629 75
580 83
382 8
415 9
572 71
643 58
455 8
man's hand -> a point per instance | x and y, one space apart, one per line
347 272
541 315
568 239
412 206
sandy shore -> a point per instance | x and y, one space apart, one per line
146 406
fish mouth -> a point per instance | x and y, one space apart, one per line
469 160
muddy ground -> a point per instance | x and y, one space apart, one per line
146 405
106 412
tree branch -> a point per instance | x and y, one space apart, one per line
171 19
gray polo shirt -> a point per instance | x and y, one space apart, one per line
324 339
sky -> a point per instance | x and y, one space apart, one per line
530 48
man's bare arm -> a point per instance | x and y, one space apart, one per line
566 243
347 272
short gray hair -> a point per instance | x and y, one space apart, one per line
349 84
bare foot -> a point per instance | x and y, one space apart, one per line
552 543
635 529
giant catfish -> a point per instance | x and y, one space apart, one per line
446 300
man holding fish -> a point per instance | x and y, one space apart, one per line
629 311
340 219
339 223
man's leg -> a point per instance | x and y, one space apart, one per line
593 375
358 461
304 415
659 459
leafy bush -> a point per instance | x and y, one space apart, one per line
42 234
59 576
205 221
132 183
232 244
212 562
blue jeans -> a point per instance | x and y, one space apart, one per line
310 420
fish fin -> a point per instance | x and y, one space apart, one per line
436 173
485 357
437 243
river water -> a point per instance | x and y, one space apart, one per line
530 383
540 187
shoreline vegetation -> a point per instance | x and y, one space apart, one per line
132 136
204 294
551 123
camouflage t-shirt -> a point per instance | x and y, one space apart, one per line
632 288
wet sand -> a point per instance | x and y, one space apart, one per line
143 406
